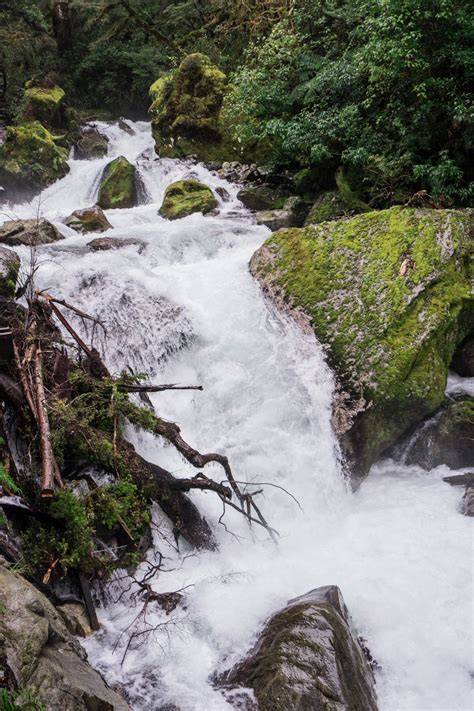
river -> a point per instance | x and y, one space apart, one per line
184 309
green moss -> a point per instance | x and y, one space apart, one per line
390 294
348 195
30 156
184 197
186 109
328 206
118 186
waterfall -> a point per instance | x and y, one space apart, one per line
184 309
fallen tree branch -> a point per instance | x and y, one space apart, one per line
47 456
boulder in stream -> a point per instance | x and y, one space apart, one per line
9 268
118 187
447 438
307 657
45 101
102 244
31 233
184 197
30 158
41 654
89 219
90 144
389 295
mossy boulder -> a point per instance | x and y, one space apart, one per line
30 157
447 438
186 111
184 197
31 233
328 206
90 219
307 657
9 268
45 103
118 187
389 295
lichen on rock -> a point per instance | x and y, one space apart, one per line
89 219
118 187
186 110
30 157
184 197
31 233
389 295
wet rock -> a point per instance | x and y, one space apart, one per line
91 144
467 505
39 652
260 197
447 438
29 232
76 619
389 295
90 219
292 215
236 172
118 185
223 193
184 197
307 657
102 244
463 358
123 125
466 479
9 268
30 158
274 219
186 111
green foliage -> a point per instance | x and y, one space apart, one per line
22 700
383 88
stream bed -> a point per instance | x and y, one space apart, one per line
184 309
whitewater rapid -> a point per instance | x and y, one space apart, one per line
185 310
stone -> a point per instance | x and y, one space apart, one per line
447 438
186 111
463 358
45 103
30 158
76 619
9 268
40 653
91 144
89 219
118 187
467 504
32 233
307 657
260 197
123 125
389 295
184 197
328 206
274 219
102 244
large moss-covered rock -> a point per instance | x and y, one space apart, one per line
184 197
9 268
186 111
45 103
30 158
118 186
447 438
307 658
31 233
389 294
89 219
39 653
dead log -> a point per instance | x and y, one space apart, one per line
47 456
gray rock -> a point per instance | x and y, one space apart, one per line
274 219
91 144
102 244
29 232
259 197
90 219
447 438
307 658
40 652
468 501
9 268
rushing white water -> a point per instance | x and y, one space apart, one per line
186 310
